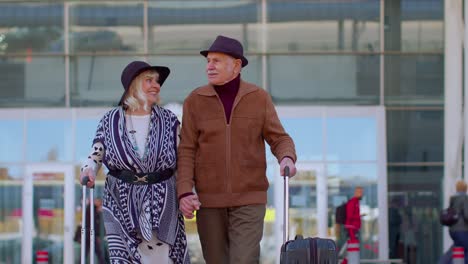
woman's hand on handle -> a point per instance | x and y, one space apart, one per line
90 175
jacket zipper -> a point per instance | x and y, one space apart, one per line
228 143
228 158
227 182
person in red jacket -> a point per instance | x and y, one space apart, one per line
353 214
353 217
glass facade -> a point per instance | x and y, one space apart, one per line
323 26
171 24
105 26
311 79
325 156
414 80
60 65
32 81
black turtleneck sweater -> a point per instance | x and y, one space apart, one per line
227 93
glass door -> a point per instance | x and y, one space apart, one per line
10 214
48 212
307 202
338 149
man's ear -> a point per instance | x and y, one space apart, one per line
238 65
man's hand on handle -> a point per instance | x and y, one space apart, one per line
188 205
286 161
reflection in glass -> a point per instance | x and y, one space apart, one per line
187 73
359 142
342 180
95 80
172 24
313 79
408 138
32 81
414 80
11 140
31 27
49 140
48 210
414 26
416 193
303 203
323 25
11 180
307 136
85 132
106 26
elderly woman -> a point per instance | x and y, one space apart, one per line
137 142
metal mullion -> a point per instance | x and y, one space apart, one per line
382 56
145 29
66 29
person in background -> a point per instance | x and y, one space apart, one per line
394 227
222 160
137 141
459 231
353 217
410 228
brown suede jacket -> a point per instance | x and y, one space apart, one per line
226 163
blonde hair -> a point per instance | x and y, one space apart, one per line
135 92
461 186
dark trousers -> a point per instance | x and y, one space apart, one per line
460 239
393 239
231 235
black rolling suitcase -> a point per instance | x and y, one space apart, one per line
304 250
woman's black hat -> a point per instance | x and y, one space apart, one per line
134 68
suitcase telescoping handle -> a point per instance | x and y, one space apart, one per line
286 206
84 183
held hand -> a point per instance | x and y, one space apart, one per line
188 205
286 161
88 172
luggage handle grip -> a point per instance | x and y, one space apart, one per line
85 180
84 183
286 205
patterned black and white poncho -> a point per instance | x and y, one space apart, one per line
134 211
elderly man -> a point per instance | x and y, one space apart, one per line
221 157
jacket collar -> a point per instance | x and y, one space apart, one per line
244 88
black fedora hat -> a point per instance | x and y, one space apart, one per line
228 46
134 68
